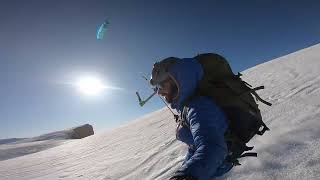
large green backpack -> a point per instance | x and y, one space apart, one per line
235 97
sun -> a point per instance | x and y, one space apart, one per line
90 85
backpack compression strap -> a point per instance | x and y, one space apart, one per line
253 90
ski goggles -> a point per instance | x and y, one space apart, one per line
160 71
159 75
161 85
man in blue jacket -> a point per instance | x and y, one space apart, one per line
206 122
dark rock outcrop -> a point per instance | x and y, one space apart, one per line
82 131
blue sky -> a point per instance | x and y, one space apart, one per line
44 44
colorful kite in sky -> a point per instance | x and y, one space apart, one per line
101 33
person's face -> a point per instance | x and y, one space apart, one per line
167 90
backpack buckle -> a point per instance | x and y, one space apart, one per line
261 132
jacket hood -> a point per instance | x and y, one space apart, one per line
186 73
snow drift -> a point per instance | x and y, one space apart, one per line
16 147
147 149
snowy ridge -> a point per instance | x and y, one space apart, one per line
146 149
10 140
15 147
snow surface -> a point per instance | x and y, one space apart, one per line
146 148
15 147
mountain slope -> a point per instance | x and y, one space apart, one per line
15 147
146 148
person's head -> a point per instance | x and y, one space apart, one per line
168 89
177 79
164 82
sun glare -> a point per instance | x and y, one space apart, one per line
90 85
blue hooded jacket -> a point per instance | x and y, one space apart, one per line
205 136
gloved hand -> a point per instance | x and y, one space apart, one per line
182 177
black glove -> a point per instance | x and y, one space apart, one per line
182 177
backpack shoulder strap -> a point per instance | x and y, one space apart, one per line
183 117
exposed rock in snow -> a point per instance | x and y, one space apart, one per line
82 131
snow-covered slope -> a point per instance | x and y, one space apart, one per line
146 148
15 147
10 140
